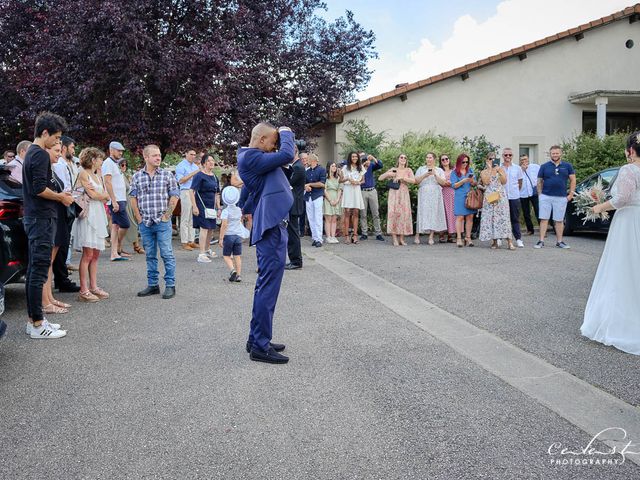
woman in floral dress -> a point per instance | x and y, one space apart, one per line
448 194
399 217
495 222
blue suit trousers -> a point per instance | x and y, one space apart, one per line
271 251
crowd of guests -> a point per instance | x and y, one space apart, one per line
445 207
90 203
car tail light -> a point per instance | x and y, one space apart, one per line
10 210
14 263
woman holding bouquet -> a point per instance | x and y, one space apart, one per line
611 315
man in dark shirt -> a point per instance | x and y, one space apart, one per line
316 177
370 197
40 219
297 181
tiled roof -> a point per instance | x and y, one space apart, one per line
405 88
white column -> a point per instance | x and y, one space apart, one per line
601 116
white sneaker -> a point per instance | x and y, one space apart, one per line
29 326
45 331
211 254
203 258
519 244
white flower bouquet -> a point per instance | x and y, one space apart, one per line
586 199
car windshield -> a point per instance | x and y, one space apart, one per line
607 177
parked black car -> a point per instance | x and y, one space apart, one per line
573 222
13 240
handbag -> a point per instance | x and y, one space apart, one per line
474 199
80 201
391 185
209 213
493 197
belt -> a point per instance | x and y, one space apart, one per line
367 189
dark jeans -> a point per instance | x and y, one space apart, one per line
40 232
303 221
60 271
526 204
514 213
293 245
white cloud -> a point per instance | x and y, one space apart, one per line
515 23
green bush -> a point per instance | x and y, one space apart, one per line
589 154
360 138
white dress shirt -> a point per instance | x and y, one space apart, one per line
514 173
529 188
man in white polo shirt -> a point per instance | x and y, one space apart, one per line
116 188
514 183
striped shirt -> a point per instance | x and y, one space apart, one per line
153 193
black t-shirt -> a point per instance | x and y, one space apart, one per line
36 176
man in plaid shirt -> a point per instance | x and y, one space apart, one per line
154 195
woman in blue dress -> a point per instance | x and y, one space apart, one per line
205 197
462 180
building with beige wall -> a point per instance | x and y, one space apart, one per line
529 98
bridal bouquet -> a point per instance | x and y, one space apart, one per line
587 198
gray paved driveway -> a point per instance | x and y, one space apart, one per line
148 388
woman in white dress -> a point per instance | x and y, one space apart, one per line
612 315
431 214
90 231
351 178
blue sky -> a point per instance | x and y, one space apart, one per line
416 39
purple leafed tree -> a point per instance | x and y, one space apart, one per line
179 73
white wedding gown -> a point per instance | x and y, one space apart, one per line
612 315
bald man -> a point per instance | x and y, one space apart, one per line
259 167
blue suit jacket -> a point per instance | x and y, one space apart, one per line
269 189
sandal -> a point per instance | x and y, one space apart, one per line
494 245
416 241
459 243
53 309
138 249
354 239
60 304
511 246
468 242
98 292
87 297
431 242
124 254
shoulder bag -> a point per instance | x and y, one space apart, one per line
474 199
209 213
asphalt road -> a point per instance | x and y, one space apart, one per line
532 298
152 388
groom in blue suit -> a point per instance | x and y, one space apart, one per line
259 167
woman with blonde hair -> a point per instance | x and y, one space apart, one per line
399 217
332 199
431 214
495 223
90 231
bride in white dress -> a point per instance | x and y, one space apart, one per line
612 315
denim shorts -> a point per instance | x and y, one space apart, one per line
232 245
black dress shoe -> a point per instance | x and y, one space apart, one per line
278 347
270 356
155 290
169 292
292 266
318 244
314 244
380 237
69 287
363 237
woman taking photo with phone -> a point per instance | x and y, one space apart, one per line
351 179
399 217
431 215
495 222
448 194
462 181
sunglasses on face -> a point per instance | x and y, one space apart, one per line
507 155
445 158
465 161
402 156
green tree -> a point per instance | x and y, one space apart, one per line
589 154
360 138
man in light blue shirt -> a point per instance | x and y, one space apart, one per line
185 171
